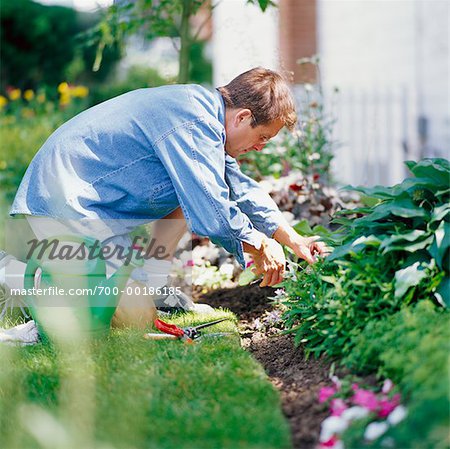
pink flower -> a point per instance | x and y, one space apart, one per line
189 263
325 393
366 398
355 387
388 405
329 443
337 407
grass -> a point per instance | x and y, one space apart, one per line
128 392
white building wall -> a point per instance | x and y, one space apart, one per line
243 37
433 74
390 61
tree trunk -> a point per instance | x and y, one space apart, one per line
185 38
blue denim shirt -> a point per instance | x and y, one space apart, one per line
141 155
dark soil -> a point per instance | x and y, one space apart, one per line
298 379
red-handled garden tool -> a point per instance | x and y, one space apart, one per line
188 334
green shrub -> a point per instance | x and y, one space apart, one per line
410 347
393 254
39 45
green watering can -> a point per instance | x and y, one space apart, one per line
74 294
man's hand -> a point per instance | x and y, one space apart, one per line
269 262
307 248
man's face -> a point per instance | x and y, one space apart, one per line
242 138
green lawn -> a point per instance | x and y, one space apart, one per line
128 392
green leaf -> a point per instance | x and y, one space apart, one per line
410 247
303 228
432 168
403 207
442 293
408 277
400 241
354 247
439 213
441 244
246 277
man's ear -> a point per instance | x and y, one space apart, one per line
242 115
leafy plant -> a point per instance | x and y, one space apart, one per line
308 150
410 347
163 18
387 256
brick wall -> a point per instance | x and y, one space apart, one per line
298 37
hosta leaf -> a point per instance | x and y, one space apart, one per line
408 186
408 277
441 244
436 169
439 213
398 240
408 236
410 247
354 247
381 192
404 208
442 293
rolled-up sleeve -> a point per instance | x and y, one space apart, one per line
255 202
194 157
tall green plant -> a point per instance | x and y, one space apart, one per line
158 18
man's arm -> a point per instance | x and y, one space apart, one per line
255 202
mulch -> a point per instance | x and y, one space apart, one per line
297 378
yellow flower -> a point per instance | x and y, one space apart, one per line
41 98
3 165
3 101
28 95
63 87
14 94
64 100
80 91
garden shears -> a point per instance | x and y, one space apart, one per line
188 334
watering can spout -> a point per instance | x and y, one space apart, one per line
94 302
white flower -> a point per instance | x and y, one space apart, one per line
204 252
279 293
398 414
336 381
314 157
387 386
331 426
227 269
375 429
355 412
257 324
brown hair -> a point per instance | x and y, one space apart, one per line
265 92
